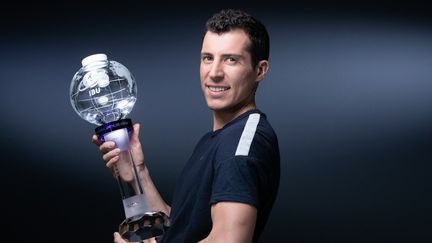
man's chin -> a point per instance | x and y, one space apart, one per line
216 107
221 109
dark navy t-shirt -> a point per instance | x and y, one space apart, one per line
237 163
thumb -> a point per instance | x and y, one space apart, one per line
117 238
135 133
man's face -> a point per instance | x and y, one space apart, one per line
228 79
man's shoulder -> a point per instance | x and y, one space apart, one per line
246 122
254 123
244 135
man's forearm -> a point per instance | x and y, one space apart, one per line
156 202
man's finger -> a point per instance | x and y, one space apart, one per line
95 140
117 238
107 146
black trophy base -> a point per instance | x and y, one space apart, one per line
139 228
112 126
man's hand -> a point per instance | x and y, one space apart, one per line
110 153
118 239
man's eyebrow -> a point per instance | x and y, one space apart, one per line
238 56
227 55
206 54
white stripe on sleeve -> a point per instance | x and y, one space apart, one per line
248 135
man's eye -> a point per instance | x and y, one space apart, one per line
231 60
206 58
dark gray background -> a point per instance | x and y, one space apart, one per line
349 94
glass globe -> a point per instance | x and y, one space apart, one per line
102 90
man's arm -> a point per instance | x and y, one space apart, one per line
155 200
232 222
110 155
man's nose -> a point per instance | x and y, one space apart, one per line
216 71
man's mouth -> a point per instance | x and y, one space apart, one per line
218 88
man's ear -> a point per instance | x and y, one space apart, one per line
262 69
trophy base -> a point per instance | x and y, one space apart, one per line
141 227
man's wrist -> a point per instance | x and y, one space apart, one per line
140 167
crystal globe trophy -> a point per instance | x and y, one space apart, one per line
103 92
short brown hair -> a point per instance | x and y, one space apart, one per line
229 19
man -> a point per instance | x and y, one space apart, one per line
227 188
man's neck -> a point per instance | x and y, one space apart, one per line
221 118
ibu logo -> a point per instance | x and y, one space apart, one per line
94 91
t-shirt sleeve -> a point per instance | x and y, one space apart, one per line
238 179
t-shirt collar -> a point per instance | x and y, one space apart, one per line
241 116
